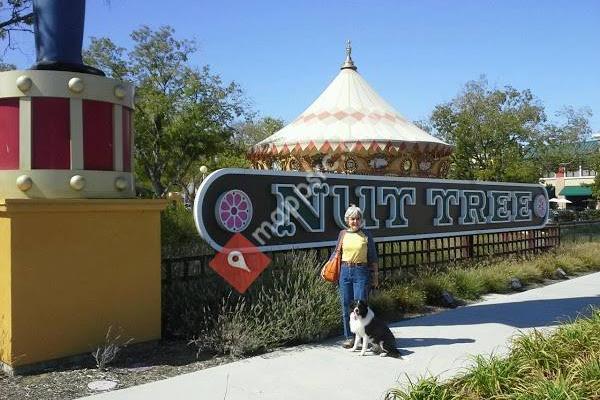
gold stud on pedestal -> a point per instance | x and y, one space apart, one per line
24 83
77 182
76 85
24 183
121 183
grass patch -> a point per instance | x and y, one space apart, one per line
433 285
562 365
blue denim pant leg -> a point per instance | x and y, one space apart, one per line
354 285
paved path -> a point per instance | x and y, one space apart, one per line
438 344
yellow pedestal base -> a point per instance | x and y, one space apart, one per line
70 269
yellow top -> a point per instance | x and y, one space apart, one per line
354 247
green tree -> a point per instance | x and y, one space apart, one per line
183 114
594 162
493 131
503 134
245 135
565 143
249 133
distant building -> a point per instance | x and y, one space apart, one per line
572 182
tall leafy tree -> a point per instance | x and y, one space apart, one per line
251 132
182 114
565 144
502 134
245 134
492 130
594 162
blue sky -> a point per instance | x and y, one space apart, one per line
416 54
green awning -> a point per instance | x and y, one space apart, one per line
576 191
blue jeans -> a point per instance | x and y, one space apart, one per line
355 283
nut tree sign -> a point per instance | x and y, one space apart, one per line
283 210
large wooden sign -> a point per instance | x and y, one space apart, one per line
283 210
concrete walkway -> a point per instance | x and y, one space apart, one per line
439 344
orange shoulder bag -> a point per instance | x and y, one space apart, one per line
331 269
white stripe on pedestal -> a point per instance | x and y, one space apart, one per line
76 118
117 137
25 133
132 141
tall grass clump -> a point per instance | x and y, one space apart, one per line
494 278
409 298
564 364
396 299
424 389
433 285
466 284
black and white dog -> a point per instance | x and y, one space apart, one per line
366 326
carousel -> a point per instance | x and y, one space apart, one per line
351 129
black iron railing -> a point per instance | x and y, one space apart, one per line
404 254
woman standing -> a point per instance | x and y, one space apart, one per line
359 269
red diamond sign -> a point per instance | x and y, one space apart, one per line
239 262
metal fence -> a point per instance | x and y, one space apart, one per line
402 256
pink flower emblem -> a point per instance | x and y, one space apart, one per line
234 210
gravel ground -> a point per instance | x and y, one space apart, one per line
135 365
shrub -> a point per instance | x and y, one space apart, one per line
488 376
383 304
289 304
588 214
424 389
588 253
106 353
179 236
565 215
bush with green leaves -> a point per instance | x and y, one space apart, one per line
565 215
179 236
588 214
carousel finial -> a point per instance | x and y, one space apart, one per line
348 64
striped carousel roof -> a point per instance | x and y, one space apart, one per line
349 116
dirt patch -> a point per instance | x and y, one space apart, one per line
135 365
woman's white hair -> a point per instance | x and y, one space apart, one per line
353 211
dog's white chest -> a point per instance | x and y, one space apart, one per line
356 325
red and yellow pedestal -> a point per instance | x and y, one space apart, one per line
70 269
78 253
